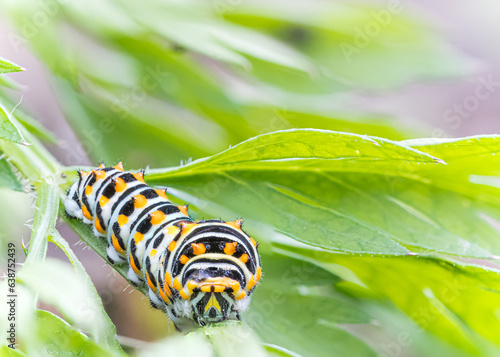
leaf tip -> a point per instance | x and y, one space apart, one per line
439 161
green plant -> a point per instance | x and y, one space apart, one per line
369 245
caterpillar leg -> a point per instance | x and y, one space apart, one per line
114 257
133 278
155 301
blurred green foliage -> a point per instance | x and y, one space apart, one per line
365 241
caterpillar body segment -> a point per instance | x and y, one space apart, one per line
198 272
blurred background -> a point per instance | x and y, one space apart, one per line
160 83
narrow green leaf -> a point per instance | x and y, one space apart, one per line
6 351
56 283
97 244
31 124
46 209
57 337
8 83
8 129
107 336
7 66
7 177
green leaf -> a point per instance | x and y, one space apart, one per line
47 203
31 124
455 302
8 129
107 335
97 244
375 46
190 345
56 283
9 352
232 339
345 192
295 307
57 337
7 66
288 179
221 340
7 177
34 162
8 83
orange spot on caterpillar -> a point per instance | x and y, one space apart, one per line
177 284
173 230
254 243
161 193
184 210
103 200
168 278
172 245
236 224
184 295
122 220
206 288
139 176
99 174
98 227
219 288
86 212
133 266
184 259
167 291
116 244
191 285
230 248
140 201
186 226
198 248
150 283
118 166
162 293
258 274
241 296
88 190
120 185
250 283
138 237
244 258
157 217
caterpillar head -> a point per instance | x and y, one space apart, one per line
216 267
213 292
